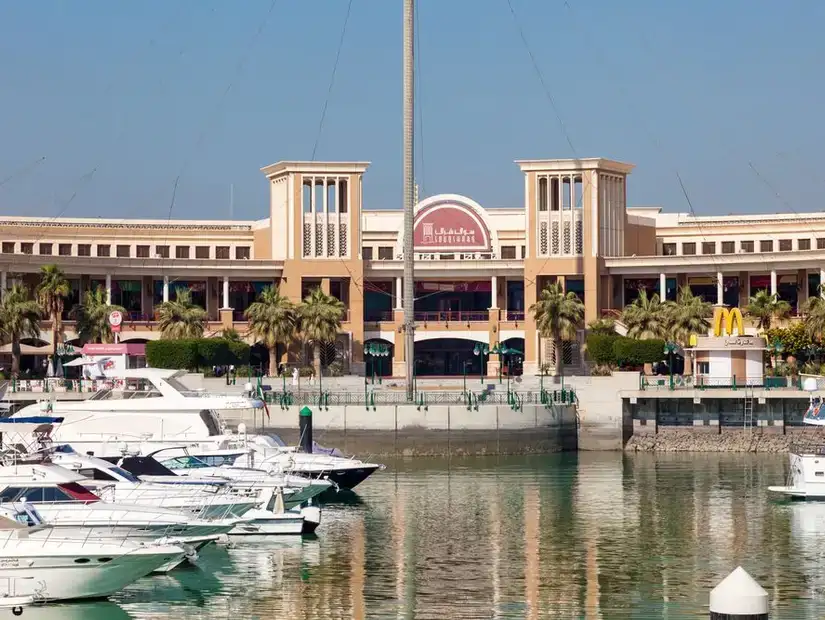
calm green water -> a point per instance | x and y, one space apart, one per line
565 536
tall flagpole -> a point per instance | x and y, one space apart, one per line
409 189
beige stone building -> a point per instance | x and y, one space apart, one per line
478 270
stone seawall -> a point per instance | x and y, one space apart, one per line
407 430
689 439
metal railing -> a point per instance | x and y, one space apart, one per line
514 315
703 382
373 398
461 316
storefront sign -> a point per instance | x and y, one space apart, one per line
449 225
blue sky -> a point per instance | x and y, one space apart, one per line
145 92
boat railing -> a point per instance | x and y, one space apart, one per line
813 447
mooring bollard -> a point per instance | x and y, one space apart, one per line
738 596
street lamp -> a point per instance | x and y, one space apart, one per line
670 349
373 350
481 350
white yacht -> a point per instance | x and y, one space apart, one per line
47 567
806 477
162 413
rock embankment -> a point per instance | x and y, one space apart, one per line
729 440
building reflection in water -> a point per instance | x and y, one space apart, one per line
577 536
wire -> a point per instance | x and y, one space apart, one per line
238 71
332 80
22 171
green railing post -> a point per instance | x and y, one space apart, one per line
734 382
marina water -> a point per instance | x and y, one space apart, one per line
589 535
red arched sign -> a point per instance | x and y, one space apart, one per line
450 226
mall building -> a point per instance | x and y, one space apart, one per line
477 270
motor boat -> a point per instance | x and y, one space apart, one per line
279 511
146 409
45 566
806 476
214 499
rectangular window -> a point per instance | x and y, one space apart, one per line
785 245
524 251
804 244
84 249
202 251
181 251
124 251
366 252
708 247
747 246
8 247
703 368
162 251
508 252
242 252
222 252
104 250
689 249
64 249
27 248
820 244
385 253
669 249
45 249
766 245
142 251
728 247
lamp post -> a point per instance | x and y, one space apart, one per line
670 349
481 350
373 350
415 377
497 350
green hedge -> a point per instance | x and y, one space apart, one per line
196 353
624 352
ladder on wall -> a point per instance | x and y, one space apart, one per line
747 408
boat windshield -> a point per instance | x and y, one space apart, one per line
66 492
131 388
184 462
270 441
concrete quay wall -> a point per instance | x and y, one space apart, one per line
406 430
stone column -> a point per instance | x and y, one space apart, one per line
165 289
225 305
399 294
109 289
662 286
773 282
822 281
226 311
493 293
3 283
720 289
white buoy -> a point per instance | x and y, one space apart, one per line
739 596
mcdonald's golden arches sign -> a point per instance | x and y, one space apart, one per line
728 320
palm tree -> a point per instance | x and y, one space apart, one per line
765 307
646 317
19 319
558 317
51 294
181 318
92 316
605 326
689 315
272 320
814 311
231 334
319 317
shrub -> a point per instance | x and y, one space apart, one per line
600 348
795 340
239 353
196 353
174 354
632 353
